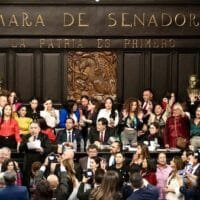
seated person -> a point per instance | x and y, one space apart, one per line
69 136
92 151
101 134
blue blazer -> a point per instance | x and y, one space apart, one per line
63 115
14 192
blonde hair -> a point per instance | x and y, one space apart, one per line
179 107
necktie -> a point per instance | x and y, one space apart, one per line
145 106
101 137
69 136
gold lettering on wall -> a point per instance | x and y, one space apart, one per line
39 21
26 21
13 21
81 21
2 20
149 43
180 19
70 20
91 73
113 21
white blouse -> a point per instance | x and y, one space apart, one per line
49 117
106 114
173 183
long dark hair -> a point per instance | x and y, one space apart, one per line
128 104
3 114
113 113
42 123
69 106
6 163
108 188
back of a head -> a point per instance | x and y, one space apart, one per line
108 188
99 174
110 181
136 180
9 177
43 191
53 181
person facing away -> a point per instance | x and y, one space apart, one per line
140 190
12 191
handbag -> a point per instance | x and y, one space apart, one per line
181 142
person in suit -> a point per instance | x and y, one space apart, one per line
12 191
92 151
69 135
34 154
115 147
101 134
142 191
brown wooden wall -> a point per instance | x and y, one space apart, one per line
43 73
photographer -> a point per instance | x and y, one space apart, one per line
97 179
62 186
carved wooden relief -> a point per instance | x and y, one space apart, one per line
91 73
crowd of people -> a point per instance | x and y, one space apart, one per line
49 138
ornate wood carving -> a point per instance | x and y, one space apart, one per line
92 73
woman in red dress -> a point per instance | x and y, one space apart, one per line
177 125
9 129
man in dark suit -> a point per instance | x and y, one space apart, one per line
41 150
92 151
69 136
101 134
12 191
141 191
115 148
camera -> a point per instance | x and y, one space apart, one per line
52 157
88 173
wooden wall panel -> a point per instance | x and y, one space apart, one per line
133 66
52 76
160 75
186 66
3 67
25 76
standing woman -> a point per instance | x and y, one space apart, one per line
13 101
33 110
109 188
132 124
23 121
176 126
50 114
174 181
110 113
195 130
70 110
93 108
9 129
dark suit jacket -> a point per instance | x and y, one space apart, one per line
64 188
62 136
83 162
14 192
32 155
94 135
145 193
